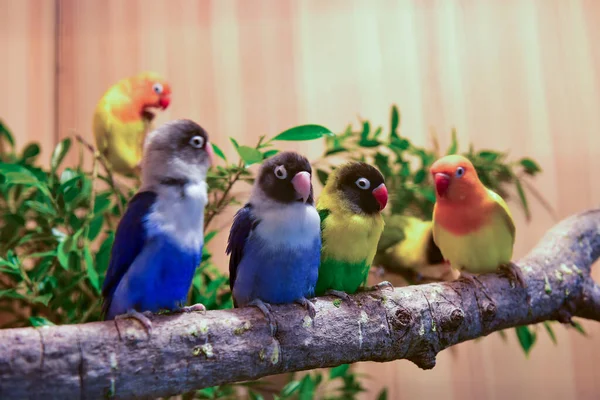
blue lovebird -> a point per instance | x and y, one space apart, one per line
275 241
159 240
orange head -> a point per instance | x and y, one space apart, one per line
455 179
151 91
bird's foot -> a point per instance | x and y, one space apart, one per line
310 307
513 272
140 317
194 307
379 286
338 293
267 310
515 275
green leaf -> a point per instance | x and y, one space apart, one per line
523 198
40 321
419 176
526 338
322 176
368 143
209 236
5 133
490 156
339 371
335 150
11 294
255 396
304 132
453 144
531 167
400 144
103 254
307 389
59 153
102 203
44 299
92 274
218 151
290 388
249 155
234 142
269 153
32 150
550 332
17 175
365 131
41 208
578 327
383 395
63 250
394 122
95 227
378 132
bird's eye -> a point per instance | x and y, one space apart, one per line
280 172
197 142
460 171
158 88
363 183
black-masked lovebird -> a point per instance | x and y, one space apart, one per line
158 242
351 223
275 241
124 115
472 225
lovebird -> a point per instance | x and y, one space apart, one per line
407 244
351 223
472 225
159 240
124 115
275 240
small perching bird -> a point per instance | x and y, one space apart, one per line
275 241
158 243
472 225
124 115
351 223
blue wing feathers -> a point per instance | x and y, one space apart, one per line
243 223
129 241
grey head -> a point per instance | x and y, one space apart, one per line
176 153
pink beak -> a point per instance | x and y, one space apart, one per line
442 181
301 183
381 195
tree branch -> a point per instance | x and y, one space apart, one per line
191 351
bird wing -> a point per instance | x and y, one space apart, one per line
129 242
243 223
501 207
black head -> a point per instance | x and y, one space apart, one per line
362 186
286 177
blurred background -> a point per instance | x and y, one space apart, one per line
516 76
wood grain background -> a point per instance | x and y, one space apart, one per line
512 75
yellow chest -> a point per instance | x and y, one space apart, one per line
351 237
478 252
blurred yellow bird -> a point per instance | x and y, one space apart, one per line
124 115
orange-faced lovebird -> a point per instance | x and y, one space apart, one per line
351 223
472 225
275 241
158 242
124 115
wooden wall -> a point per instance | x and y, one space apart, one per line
513 75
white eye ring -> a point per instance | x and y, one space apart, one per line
197 142
363 183
460 171
280 172
158 88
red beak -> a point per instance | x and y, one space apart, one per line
164 102
442 181
381 195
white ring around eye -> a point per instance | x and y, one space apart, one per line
280 172
363 183
158 88
197 142
460 171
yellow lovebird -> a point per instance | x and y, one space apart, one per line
472 225
124 115
351 223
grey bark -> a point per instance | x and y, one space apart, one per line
192 351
